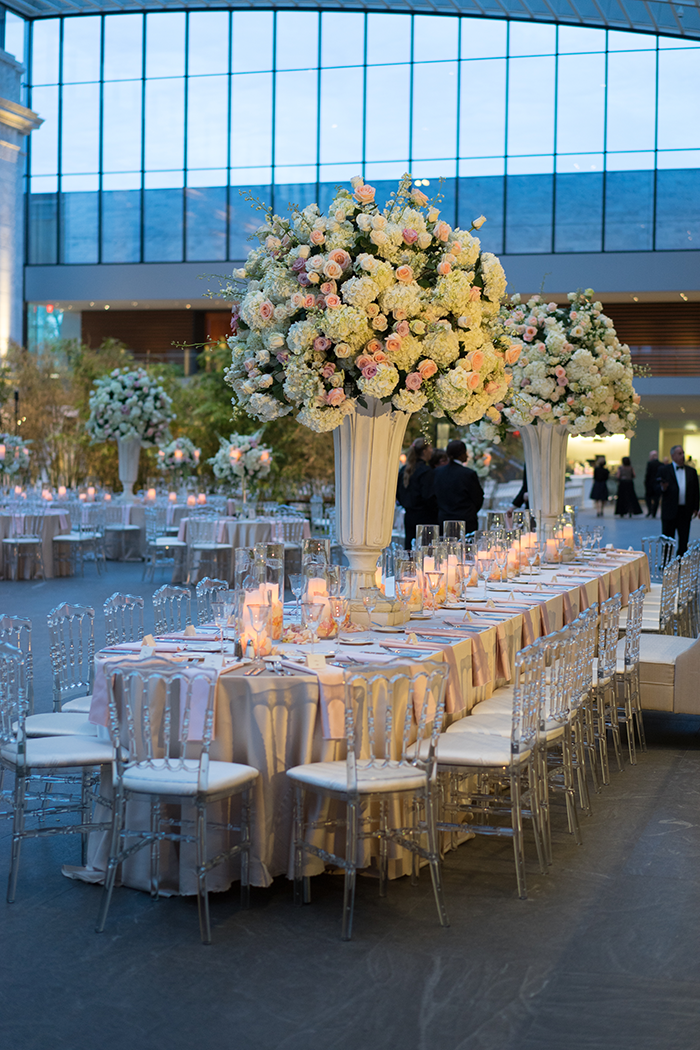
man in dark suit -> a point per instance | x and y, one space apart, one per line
458 490
680 497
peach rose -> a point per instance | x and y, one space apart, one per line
403 329
313 278
399 314
333 269
267 310
371 309
362 361
456 248
529 334
477 359
373 346
336 396
442 231
328 287
427 368
405 274
380 358
512 354
365 194
393 343
473 380
317 237
475 295
443 268
380 323
414 381
560 372
333 302
419 198
341 257
309 301
410 236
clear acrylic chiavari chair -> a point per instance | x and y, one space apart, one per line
171 609
207 591
123 618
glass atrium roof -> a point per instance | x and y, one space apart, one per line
680 18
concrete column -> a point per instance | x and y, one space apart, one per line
16 121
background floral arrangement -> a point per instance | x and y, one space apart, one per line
478 452
187 462
242 458
572 369
391 304
16 457
129 404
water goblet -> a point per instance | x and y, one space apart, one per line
259 618
370 597
404 591
312 611
434 579
220 616
297 581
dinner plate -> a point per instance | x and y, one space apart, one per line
422 616
353 640
389 629
499 587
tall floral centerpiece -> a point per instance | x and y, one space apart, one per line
356 319
242 460
479 456
14 456
133 409
179 458
572 376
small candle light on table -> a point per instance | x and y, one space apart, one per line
178 455
191 501
151 494
172 496
91 492
61 490
202 497
107 497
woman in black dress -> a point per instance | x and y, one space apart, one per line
599 491
627 502
415 491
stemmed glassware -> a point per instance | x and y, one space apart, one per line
259 618
220 617
484 561
312 611
500 557
370 597
297 581
404 591
434 578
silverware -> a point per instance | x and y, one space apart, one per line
252 671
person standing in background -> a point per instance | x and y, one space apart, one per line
415 491
627 502
651 493
599 489
680 497
458 490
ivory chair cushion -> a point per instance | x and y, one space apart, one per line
81 704
475 749
59 723
157 779
333 776
669 673
53 752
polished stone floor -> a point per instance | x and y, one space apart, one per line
603 954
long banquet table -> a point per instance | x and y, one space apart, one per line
274 723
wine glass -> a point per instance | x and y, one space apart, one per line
296 585
370 598
404 591
484 565
338 606
219 613
259 618
434 578
500 557
312 611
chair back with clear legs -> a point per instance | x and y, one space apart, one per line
687 581
606 666
669 597
161 723
660 550
72 649
123 618
25 542
171 609
17 631
627 678
392 722
203 547
207 591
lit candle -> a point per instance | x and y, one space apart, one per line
161 454
46 494
264 456
172 496
91 492
61 490
235 454
402 459
202 497
107 497
191 501
178 455
568 532
197 454
151 494
552 550
82 496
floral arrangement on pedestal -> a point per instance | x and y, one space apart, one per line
570 368
179 458
14 455
128 403
478 452
364 303
242 458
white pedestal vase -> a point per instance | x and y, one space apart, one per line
129 452
545 461
367 449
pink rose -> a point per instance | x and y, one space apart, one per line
404 273
442 231
477 359
328 370
399 314
370 370
298 265
491 387
362 361
322 344
336 396
414 381
365 194
427 368
380 358
456 247
443 268
333 302
373 346
559 372
475 294
403 329
569 400
267 310
309 301
320 301
317 237
328 287
512 354
410 235
529 334
419 198
393 343
561 381
340 256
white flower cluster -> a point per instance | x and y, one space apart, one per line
180 454
360 303
242 457
128 404
571 368
14 455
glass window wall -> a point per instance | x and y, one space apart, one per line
568 139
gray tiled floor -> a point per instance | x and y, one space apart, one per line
604 953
